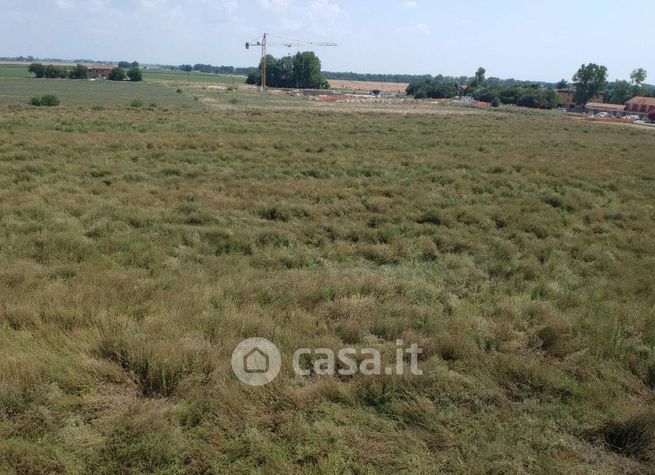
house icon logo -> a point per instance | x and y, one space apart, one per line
256 361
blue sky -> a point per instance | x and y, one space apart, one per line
510 38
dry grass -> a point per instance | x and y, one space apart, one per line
139 246
368 86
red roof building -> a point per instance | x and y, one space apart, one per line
640 105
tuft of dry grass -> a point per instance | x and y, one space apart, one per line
634 436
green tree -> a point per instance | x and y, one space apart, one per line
281 73
638 77
252 78
117 74
479 80
135 74
124 64
302 71
186 68
619 92
55 72
437 88
79 72
307 71
563 84
272 72
589 81
37 69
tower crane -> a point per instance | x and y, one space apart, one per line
264 43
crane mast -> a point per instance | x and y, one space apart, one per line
264 44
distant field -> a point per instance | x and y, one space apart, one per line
194 77
17 86
367 86
13 71
90 93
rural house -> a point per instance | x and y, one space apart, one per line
566 98
615 109
640 105
99 71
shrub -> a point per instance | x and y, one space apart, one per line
495 102
55 72
48 101
136 103
432 88
135 75
526 96
117 74
79 72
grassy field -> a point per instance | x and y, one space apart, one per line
15 71
158 88
194 77
91 93
140 246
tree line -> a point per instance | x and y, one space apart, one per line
589 81
209 69
482 89
80 71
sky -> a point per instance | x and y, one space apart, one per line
522 39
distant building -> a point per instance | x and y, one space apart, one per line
99 71
614 109
566 98
640 105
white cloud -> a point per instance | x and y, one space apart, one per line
65 4
422 28
324 15
276 4
317 17
409 4
152 3
418 28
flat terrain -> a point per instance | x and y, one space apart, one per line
159 88
9 70
368 86
139 246
193 77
